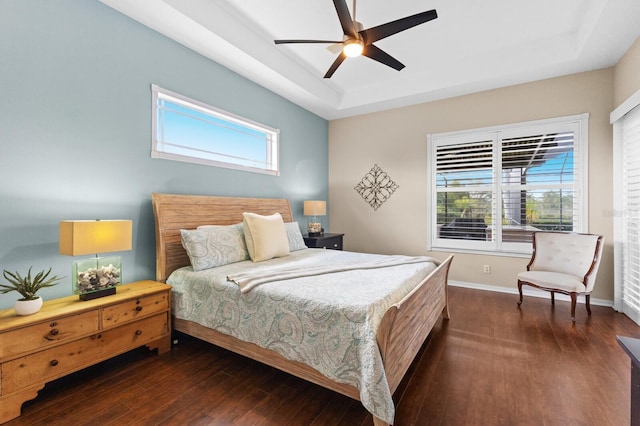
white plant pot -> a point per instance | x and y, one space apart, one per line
28 307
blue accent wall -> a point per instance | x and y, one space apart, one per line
75 132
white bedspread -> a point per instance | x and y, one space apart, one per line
328 322
315 265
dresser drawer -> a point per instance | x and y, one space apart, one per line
140 307
56 362
136 334
45 334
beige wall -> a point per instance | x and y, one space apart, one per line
627 74
396 141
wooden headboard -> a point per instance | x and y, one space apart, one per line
175 212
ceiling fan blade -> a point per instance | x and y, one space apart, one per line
335 65
381 56
374 34
345 18
336 47
305 41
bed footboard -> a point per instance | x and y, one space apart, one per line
406 325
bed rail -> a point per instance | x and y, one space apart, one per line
406 325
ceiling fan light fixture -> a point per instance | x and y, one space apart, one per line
353 48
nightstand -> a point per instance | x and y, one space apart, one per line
326 241
68 334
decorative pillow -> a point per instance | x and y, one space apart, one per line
265 236
214 245
296 242
237 225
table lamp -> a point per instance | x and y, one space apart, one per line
315 208
97 276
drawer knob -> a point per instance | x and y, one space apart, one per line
138 308
53 362
54 332
53 324
138 332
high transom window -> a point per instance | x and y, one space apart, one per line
188 130
491 188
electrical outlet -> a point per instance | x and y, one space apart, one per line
487 269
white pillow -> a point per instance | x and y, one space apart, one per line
265 236
214 245
296 242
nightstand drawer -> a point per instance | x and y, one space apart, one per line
326 241
47 333
334 243
140 307
57 362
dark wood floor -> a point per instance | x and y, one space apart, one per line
491 364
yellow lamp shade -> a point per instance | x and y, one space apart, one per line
315 208
80 237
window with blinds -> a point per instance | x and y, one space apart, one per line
492 188
630 218
188 130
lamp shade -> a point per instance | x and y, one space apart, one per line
315 208
80 237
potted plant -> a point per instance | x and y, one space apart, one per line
30 303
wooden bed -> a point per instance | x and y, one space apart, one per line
404 327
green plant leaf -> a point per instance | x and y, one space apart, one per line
26 286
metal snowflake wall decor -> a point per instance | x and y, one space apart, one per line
376 187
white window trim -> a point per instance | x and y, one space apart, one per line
581 187
203 107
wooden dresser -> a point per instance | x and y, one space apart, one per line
68 335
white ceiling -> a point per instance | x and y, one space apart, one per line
471 46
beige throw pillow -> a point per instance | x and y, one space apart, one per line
266 236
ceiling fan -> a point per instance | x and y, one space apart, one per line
356 41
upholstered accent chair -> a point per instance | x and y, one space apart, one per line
563 262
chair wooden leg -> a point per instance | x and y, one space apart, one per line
553 298
574 297
587 303
520 291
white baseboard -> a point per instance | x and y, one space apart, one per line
527 291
